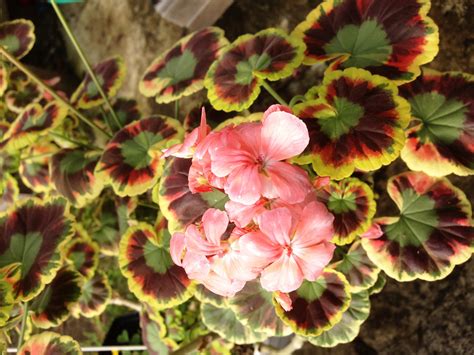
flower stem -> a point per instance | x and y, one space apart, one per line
296 99
45 87
272 92
85 61
24 318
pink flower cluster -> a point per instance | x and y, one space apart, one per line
273 228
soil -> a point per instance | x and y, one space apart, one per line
412 318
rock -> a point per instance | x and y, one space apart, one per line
130 28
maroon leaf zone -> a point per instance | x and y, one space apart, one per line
34 171
34 234
127 111
432 233
128 161
385 37
181 70
17 100
52 306
234 80
177 203
151 274
82 252
443 106
110 74
72 172
17 36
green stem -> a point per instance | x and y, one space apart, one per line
85 61
295 99
73 141
24 318
106 119
272 92
45 87
176 109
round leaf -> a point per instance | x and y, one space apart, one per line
152 276
224 322
82 253
253 307
177 203
358 122
233 81
180 71
53 305
48 343
352 203
389 38
72 173
442 108
34 234
432 234
34 167
18 100
317 305
348 327
110 74
17 36
32 122
153 335
356 266
131 160
95 295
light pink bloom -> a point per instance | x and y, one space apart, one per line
201 178
242 215
212 256
283 300
276 108
186 149
291 249
253 160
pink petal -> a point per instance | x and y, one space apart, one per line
260 248
203 128
221 285
321 181
283 136
235 265
315 226
276 108
291 183
215 223
185 149
230 160
242 214
177 245
276 224
283 275
283 300
197 266
243 185
196 243
312 260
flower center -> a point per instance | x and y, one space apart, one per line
288 250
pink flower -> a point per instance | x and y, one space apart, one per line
201 178
253 160
212 256
242 215
291 248
186 149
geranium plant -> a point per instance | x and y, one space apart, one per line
232 231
